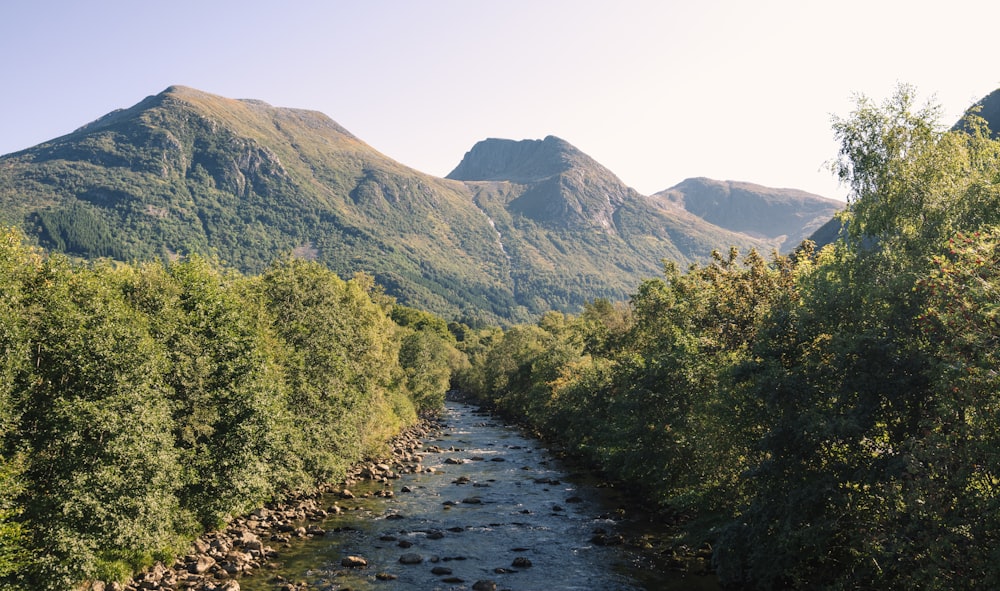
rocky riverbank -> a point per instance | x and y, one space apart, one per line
217 560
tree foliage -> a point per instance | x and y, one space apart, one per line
830 415
140 404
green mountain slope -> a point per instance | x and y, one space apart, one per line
185 171
517 229
570 226
787 216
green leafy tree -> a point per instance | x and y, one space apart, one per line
428 355
101 469
226 389
18 264
683 429
863 484
343 365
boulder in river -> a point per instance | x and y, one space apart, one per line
411 558
353 562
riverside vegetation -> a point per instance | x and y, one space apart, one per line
143 404
825 420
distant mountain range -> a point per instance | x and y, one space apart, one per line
517 228
787 216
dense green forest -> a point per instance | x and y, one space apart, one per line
143 404
826 420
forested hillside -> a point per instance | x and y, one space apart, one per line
519 229
141 404
825 420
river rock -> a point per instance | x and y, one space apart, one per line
608 539
353 562
484 585
521 562
440 570
411 558
201 565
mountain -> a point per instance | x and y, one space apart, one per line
186 171
989 109
787 216
568 224
518 228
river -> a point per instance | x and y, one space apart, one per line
489 505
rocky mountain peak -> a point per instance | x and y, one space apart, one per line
522 162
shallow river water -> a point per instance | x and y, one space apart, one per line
496 507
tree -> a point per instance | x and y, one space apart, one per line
18 264
101 469
343 364
227 391
872 471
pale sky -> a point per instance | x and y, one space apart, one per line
657 91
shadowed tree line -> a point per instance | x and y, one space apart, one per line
827 420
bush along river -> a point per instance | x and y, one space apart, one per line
474 504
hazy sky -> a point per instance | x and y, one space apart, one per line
657 91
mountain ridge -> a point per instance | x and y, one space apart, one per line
763 212
544 226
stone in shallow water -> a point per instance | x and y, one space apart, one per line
353 562
411 558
